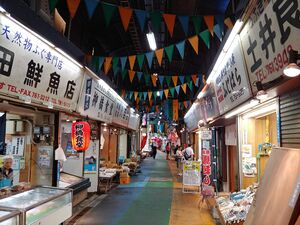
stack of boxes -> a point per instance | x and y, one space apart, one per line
124 178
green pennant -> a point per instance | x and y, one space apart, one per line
140 95
95 63
154 95
168 79
172 90
190 85
140 59
169 51
197 21
147 79
108 11
124 72
205 37
115 62
155 20
188 78
52 5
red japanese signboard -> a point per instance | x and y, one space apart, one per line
81 132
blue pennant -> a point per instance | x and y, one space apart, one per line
91 5
181 78
180 47
220 20
161 80
217 31
141 16
139 75
123 62
149 56
184 20
177 88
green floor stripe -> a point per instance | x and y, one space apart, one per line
159 184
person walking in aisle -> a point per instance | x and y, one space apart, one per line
168 150
154 149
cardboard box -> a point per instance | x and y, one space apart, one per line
124 174
124 180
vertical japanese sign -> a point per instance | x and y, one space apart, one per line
18 145
206 137
33 70
266 42
121 115
175 109
97 100
231 81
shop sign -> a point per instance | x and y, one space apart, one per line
206 135
17 146
230 80
81 135
193 117
121 115
191 173
266 42
209 105
97 101
206 166
34 71
134 121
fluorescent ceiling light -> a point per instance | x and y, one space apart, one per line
151 41
158 94
262 111
242 108
292 70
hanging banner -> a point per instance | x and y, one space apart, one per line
97 101
206 157
175 109
266 42
230 80
121 115
193 116
34 71
134 121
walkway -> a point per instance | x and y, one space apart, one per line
153 197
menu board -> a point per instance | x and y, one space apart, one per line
34 71
191 173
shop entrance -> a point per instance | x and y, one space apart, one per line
233 168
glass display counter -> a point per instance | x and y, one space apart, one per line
9 217
41 205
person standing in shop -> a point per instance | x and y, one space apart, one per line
188 153
6 172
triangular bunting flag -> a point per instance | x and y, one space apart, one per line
205 37
137 102
123 93
135 95
188 78
180 48
220 21
190 84
197 20
194 41
52 5
131 59
159 55
149 56
166 91
155 17
100 62
149 95
145 96
154 79
140 95
168 79
154 95
194 78
161 80
91 5
139 75
218 32
108 11
123 62
125 14
197 82
115 62
184 20
141 16
175 79
170 22
107 64
150 101
181 78
116 71
177 88
140 59
130 94
124 72
169 51
73 6
228 23
131 75
184 88
161 94
185 104
172 90
209 20
147 79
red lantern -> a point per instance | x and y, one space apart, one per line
81 132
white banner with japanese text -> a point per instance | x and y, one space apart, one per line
121 115
231 81
266 42
134 121
96 101
34 71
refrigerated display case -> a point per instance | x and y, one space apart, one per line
41 205
9 217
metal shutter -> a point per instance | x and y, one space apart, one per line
290 119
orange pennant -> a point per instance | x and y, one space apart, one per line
125 14
175 109
135 95
73 6
209 20
170 22
185 104
131 75
131 61
175 79
194 78
194 42
107 64
137 100
150 102
149 95
166 91
123 93
154 79
184 88
228 23
159 54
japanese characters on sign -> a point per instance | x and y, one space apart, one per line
81 132
230 81
96 101
31 68
266 43
206 166
191 173
121 115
